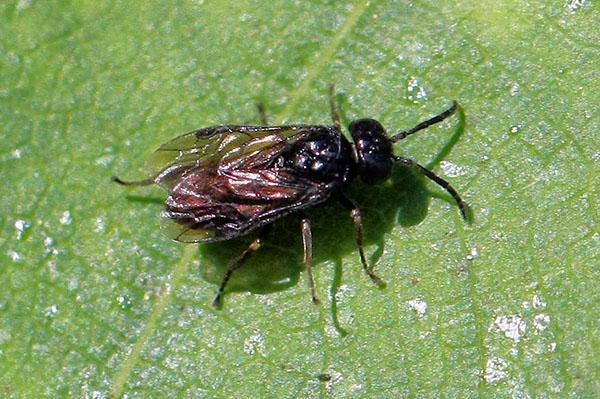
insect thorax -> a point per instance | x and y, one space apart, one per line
325 156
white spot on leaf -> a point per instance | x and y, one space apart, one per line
335 378
21 226
537 302
344 292
474 254
416 92
23 4
574 5
419 306
15 256
452 170
495 370
16 154
49 246
513 326
516 128
255 343
541 321
100 224
105 160
51 311
65 218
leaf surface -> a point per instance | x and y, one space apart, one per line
97 303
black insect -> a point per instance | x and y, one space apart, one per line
227 181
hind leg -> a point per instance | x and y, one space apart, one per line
235 265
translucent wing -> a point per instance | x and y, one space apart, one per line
215 145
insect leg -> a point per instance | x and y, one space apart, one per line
425 124
358 228
462 206
308 258
236 264
145 182
260 107
335 116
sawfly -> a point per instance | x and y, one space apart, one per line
230 180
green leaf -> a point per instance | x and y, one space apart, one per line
96 302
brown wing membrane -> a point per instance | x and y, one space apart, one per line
223 182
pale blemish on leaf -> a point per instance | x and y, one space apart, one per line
20 227
16 153
51 311
255 344
452 170
574 5
495 370
416 91
419 306
65 218
473 254
513 326
14 255
541 321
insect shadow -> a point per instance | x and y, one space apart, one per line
278 265
404 199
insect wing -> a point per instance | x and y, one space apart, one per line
224 220
210 146
218 198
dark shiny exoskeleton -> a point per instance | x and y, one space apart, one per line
227 181
324 156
